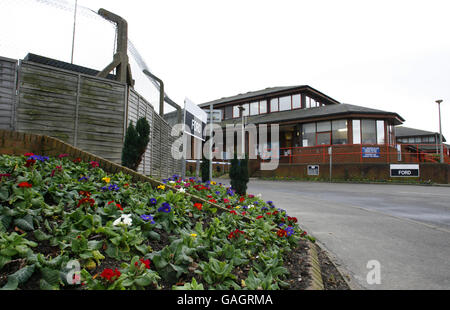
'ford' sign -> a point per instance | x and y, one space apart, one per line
404 170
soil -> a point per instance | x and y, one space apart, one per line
331 277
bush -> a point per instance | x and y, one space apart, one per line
204 168
239 174
135 144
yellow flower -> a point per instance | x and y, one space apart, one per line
213 183
243 283
237 207
161 187
193 235
106 179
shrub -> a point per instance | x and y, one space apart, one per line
239 174
135 144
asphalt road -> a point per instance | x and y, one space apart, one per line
406 228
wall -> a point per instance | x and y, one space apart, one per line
436 173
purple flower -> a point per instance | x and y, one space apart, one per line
148 218
152 201
83 179
165 207
289 231
217 193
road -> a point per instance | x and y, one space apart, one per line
406 228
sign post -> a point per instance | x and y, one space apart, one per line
330 152
195 120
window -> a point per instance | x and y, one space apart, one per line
246 111
263 107
368 131
274 105
339 131
236 111
296 102
380 132
314 103
309 134
356 124
323 126
308 102
285 103
323 138
254 108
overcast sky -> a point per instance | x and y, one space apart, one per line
390 55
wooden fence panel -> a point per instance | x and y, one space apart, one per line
8 69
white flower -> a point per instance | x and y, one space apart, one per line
171 182
182 190
251 206
259 195
123 219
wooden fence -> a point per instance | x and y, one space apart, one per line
87 112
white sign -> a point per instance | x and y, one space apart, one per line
404 170
194 118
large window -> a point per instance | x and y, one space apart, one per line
236 111
285 103
263 107
380 132
254 108
339 132
309 134
246 111
356 124
296 101
274 105
368 131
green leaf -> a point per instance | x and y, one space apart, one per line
51 276
3 261
24 224
154 235
40 235
4 193
143 281
19 277
12 284
45 286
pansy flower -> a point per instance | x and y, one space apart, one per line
24 185
145 262
152 201
198 205
165 207
148 218
161 187
94 164
62 155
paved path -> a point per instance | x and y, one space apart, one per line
404 227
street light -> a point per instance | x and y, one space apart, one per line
440 131
242 109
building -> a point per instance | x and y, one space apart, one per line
310 122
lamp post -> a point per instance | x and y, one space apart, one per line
440 131
242 109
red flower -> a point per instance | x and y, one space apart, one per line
209 196
86 200
30 162
259 217
62 155
94 164
198 206
251 196
244 213
242 199
281 233
292 219
109 274
235 234
275 213
118 205
84 193
304 234
212 201
24 184
233 212
77 160
29 154
146 262
225 200
125 185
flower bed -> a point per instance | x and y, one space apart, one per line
67 224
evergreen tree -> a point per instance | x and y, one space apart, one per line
135 144
239 174
204 168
